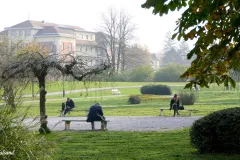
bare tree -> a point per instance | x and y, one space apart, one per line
117 29
183 50
125 34
109 30
171 53
10 88
38 65
137 56
169 43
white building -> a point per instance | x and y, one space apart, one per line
58 39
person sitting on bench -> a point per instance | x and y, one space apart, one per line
69 106
174 104
96 114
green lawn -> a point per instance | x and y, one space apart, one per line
209 100
174 145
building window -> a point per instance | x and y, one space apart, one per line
21 33
27 32
91 48
69 46
14 33
90 37
80 48
87 37
62 46
86 48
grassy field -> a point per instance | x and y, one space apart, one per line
208 100
174 145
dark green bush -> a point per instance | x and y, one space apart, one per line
134 100
156 90
217 132
187 97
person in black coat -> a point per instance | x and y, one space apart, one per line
69 106
96 114
174 104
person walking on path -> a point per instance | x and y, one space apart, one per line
174 104
96 114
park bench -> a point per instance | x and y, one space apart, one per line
190 111
115 91
68 122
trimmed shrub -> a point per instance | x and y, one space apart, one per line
187 97
156 90
217 132
134 100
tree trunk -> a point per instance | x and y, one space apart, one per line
41 81
118 57
123 62
9 96
11 99
43 117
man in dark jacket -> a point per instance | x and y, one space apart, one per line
174 104
96 114
69 106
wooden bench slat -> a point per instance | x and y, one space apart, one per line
190 110
68 122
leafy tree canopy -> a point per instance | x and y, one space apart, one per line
216 26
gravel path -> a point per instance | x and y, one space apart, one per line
124 123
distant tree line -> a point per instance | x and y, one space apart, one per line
170 73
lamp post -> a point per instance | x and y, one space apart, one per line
32 88
63 86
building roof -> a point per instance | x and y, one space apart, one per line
31 24
25 24
47 30
53 30
4 33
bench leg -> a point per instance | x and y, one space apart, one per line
92 124
67 125
103 125
61 114
161 112
106 125
190 113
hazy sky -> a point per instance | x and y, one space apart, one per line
87 14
